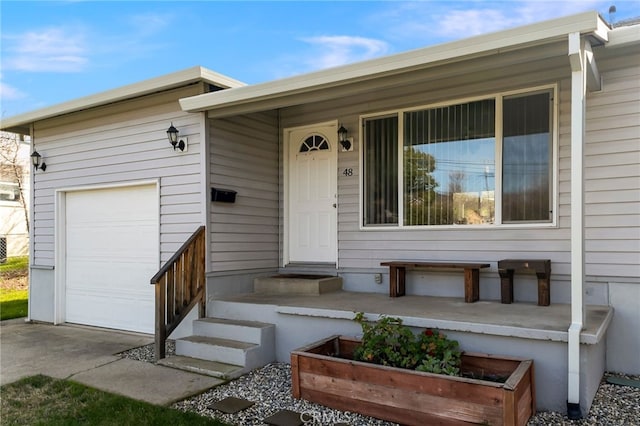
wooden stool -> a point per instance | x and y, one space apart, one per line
542 269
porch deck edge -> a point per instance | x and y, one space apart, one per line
490 317
586 337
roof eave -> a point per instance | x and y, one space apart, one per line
21 123
539 33
624 36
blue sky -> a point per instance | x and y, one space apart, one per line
55 51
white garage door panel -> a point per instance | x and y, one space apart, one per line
111 253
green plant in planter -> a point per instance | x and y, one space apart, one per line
388 342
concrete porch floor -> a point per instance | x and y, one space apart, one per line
526 320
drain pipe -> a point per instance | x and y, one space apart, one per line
578 60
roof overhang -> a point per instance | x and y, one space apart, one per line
624 36
21 123
288 91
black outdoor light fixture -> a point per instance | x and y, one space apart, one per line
342 138
172 134
35 160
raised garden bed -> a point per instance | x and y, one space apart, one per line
325 373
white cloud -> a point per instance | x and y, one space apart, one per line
150 23
332 51
10 93
498 16
48 50
438 21
473 22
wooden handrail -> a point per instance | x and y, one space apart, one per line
180 285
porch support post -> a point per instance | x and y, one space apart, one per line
205 168
581 59
32 238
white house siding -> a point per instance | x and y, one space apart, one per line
244 158
117 144
612 172
612 196
361 251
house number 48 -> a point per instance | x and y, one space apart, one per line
348 172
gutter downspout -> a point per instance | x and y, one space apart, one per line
578 61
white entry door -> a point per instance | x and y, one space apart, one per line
312 193
111 252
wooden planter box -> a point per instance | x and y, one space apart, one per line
325 373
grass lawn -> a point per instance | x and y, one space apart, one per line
13 303
14 287
42 400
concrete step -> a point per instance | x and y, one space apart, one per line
201 366
259 333
215 349
247 344
299 284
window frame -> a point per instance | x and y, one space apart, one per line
499 98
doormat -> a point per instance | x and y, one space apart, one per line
231 405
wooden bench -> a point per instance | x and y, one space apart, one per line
542 269
397 276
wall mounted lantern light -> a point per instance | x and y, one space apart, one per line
346 142
37 164
176 142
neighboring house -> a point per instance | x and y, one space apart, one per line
519 144
14 195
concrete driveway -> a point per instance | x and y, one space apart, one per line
88 355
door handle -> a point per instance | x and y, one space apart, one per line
335 205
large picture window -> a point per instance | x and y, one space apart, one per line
483 162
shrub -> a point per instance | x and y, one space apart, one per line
388 342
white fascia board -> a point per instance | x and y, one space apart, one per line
20 123
623 36
483 45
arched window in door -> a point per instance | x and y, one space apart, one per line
314 143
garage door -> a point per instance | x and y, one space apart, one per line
111 241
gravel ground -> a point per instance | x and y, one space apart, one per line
270 389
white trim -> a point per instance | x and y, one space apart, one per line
360 172
286 132
32 203
60 230
578 61
59 308
498 135
109 185
556 156
249 98
165 82
623 36
205 186
400 169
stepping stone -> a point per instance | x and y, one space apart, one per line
231 405
284 418
624 382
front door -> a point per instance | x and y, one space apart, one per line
312 194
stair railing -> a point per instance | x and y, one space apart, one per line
180 286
